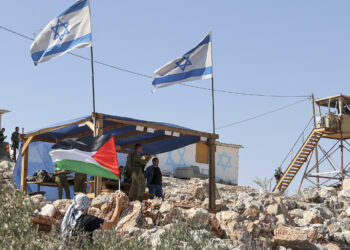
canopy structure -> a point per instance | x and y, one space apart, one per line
2 111
155 137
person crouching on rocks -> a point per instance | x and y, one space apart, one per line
76 221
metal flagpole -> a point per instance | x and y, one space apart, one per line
93 94
212 205
212 83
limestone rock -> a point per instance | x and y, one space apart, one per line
48 210
94 211
130 218
291 237
37 199
252 212
310 194
100 200
166 207
327 192
313 216
62 205
274 209
45 223
200 212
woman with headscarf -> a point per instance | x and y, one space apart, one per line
77 221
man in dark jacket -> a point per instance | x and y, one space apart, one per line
154 179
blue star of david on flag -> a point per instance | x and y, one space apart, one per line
183 66
222 163
56 29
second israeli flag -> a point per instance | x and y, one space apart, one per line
196 64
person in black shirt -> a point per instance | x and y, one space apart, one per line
15 140
154 179
2 137
76 221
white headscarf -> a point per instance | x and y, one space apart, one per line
80 203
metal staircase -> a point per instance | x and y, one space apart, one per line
299 159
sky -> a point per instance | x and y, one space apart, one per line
265 47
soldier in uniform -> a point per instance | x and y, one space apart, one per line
62 182
79 183
15 139
136 164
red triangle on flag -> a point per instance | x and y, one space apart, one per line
106 156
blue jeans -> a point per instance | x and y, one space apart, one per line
156 190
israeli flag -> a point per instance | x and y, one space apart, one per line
69 30
196 64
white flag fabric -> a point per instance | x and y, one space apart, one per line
69 30
194 65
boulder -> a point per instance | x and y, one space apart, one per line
153 236
342 237
327 192
62 205
274 209
309 194
131 219
345 194
94 211
297 213
225 217
37 199
166 207
48 210
252 212
45 223
101 199
291 237
197 212
313 216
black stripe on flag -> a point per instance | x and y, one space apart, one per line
88 144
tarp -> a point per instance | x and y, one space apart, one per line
39 158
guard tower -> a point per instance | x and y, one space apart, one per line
332 125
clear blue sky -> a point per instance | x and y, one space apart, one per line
271 47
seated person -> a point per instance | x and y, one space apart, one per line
76 220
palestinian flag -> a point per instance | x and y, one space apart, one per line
95 156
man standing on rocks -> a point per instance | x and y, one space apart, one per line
136 163
2 137
154 179
15 140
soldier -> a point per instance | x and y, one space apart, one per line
15 139
2 137
62 182
79 183
136 164
278 174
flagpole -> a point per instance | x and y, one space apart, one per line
93 94
212 82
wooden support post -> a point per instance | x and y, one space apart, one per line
99 132
24 169
212 149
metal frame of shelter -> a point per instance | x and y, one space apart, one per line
334 126
105 123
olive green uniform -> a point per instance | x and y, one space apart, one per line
62 183
138 185
79 183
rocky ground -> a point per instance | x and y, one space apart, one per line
246 218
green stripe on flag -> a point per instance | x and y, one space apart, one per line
86 168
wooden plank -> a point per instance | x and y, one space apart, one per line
146 141
90 132
24 171
26 144
212 149
164 127
39 138
90 125
43 131
130 134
